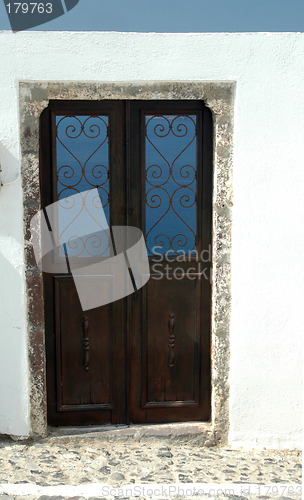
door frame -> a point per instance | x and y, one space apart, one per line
34 97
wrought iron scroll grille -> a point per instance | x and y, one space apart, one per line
171 183
82 156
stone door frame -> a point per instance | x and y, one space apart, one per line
34 97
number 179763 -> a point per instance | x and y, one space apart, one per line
29 8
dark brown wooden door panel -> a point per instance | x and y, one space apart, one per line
89 371
84 364
169 376
181 392
171 361
145 358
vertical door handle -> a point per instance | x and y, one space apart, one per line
171 325
86 343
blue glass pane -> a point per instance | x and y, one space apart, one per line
82 156
171 183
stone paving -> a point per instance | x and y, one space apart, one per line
47 467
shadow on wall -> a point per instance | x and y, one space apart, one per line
12 277
9 166
11 237
13 372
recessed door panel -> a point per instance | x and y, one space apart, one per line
171 371
84 366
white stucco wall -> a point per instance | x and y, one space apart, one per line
266 328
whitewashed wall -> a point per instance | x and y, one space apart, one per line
267 290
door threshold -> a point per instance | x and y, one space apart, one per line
199 433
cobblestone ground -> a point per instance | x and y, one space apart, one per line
46 469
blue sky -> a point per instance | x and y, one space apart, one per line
176 16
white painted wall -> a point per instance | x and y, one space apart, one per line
267 324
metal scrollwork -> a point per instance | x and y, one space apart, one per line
170 182
82 152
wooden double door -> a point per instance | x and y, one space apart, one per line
146 357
